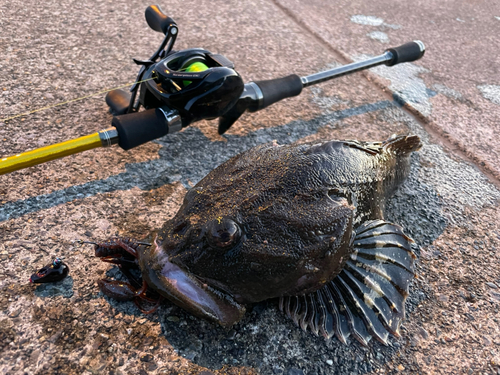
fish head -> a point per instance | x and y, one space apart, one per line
243 235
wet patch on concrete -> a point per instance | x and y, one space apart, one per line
406 85
417 207
367 20
491 92
459 185
371 21
326 102
446 91
379 35
261 337
62 288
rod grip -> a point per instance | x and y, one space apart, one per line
157 20
274 90
135 129
407 52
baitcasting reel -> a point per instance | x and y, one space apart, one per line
177 88
183 87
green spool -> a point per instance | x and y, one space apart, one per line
194 67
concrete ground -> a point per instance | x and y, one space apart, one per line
59 50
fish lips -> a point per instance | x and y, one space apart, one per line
187 291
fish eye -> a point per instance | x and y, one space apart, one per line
223 232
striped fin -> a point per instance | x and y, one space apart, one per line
367 298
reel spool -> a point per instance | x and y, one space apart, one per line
196 83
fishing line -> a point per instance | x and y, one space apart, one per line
73 100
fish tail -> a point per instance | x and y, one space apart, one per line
402 144
367 298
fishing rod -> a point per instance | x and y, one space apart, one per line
177 88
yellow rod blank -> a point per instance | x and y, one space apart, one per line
47 153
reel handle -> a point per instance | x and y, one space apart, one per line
157 20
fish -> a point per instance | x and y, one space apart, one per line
300 223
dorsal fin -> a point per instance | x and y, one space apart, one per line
402 144
373 148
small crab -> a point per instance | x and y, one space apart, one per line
123 252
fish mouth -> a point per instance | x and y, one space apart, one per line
187 291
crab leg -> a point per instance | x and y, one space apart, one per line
118 251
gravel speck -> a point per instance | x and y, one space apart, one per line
492 285
15 313
145 357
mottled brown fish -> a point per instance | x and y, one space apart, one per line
302 223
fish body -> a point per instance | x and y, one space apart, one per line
304 223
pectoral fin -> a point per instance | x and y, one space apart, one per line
367 299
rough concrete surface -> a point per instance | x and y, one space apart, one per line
61 50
